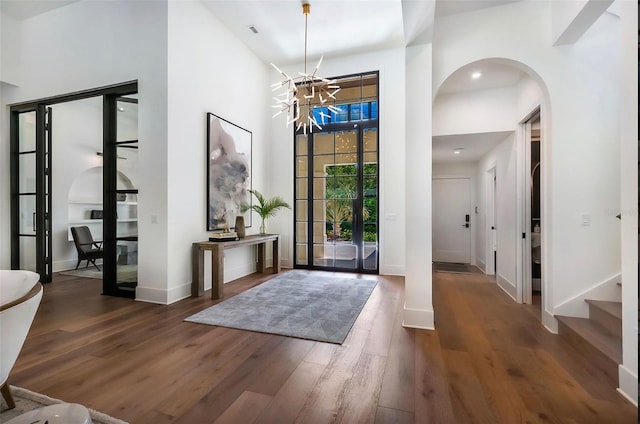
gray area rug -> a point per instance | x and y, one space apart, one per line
26 401
303 304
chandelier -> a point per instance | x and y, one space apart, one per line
301 94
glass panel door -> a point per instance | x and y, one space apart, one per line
335 199
301 205
30 190
127 193
120 193
25 173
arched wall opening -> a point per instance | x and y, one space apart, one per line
481 137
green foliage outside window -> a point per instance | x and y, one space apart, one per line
341 186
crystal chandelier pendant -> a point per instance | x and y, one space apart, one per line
300 95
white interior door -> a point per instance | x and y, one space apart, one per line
451 220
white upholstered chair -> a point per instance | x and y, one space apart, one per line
20 295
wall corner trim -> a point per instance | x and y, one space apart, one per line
418 318
628 382
151 295
507 287
392 270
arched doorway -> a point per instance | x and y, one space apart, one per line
484 115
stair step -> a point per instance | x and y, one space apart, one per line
599 337
607 314
612 308
603 348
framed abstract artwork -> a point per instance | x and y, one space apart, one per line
228 172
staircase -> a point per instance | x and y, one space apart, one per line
598 337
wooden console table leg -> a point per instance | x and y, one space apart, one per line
276 256
261 258
217 272
197 270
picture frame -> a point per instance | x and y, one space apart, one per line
229 160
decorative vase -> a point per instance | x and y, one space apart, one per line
240 230
263 228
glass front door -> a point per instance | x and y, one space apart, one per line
336 181
337 199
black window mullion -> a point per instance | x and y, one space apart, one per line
41 235
310 205
109 224
358 232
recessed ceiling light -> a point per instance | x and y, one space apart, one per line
476 75
457 150
120 109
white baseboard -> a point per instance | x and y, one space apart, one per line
392 270
176 294
628 382
151 295
507 287
604 290
481 265
549 322
418 318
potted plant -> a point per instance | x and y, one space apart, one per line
266 208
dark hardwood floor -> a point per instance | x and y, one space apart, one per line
490 361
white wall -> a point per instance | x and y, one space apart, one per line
528 98
391 133
476 111
418 306
629 200
210 70
580 126
91 44
464 170
503 158
10 57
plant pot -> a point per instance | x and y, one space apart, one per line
263 228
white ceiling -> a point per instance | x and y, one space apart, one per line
341 27
494 75
451 7
335 28
475 146
23 9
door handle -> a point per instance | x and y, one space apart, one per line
466 225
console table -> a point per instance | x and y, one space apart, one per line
217 249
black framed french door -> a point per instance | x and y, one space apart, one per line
120 195
31 186
336 198
30 168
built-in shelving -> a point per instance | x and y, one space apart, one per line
80 214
